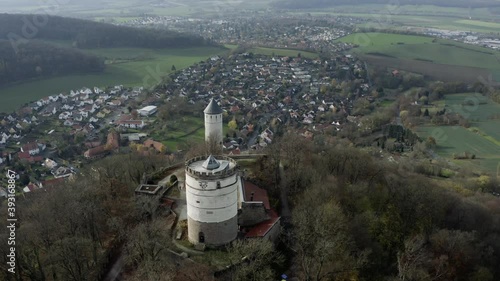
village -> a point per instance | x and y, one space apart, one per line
47 140
316 34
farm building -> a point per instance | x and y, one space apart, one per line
148 110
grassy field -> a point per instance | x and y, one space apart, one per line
426 54
282 52
125 66
457 140
180 131
481 139
479 113
395 16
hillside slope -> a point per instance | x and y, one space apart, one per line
299 4
90 34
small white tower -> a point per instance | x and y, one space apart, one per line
213 122
212 200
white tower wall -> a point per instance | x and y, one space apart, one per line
213 127
213 206
212 200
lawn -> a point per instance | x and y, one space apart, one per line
282 52
457 140
125 66
179 131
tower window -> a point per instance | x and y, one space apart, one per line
218 185
197 201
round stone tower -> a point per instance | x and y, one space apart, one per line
212 200
213 122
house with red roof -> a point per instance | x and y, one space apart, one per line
33 148
268 229
158 146
257 219
96 152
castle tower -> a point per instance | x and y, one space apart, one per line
212 200
213 122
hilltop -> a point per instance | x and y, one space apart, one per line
89 34
35 48
298 4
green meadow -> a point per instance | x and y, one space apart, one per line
125 66
453 140
482 138
408 51
391 16
482 113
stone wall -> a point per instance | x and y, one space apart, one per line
216 234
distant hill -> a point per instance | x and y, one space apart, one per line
28 49
300 4
35 59
90 34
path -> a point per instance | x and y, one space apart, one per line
114 273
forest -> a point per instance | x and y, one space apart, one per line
89 34
36 46
35 59
353 216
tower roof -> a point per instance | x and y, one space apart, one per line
213 108
211 163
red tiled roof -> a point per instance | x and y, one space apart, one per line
264 227
113 140
24 155
27 156
37 159
52 182
157 145
95 151
32 187
30 146
125 117
92 144
259 194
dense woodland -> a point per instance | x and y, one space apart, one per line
353 216
35 59
27 50
298 4
90 34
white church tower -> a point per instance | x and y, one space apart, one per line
213 122
212 200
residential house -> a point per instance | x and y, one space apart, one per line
96 152
33 148
267 136
50 164
132 124
61 172
68 122
158 146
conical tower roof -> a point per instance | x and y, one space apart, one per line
211 163
213 108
